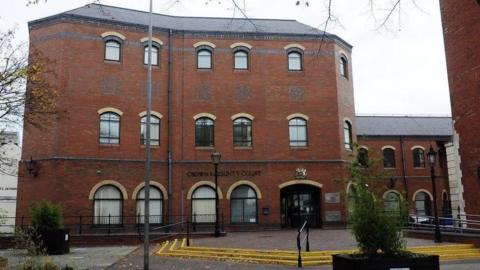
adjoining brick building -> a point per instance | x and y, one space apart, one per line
402 142
274 97
461 25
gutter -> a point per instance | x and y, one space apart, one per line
169 123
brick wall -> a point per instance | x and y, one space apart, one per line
461 25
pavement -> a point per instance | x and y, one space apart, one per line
284 239
92 258
320 239
131 257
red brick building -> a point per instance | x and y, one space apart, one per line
403 142
461 25
269 95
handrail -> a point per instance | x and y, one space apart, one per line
454 224
300 242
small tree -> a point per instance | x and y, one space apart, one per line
46 216
376 231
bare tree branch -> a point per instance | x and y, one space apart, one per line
244 15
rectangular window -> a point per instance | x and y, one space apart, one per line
112 50
242 133
204 129
298 135
154 131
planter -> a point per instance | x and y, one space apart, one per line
358 262
3 263
56 241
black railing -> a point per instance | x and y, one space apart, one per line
110 224
305 228
460 224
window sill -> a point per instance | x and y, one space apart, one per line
151 146
153 66
243 147
112 61
204 69
299 147
204 148
390 168
109 145
419 168
295 71
241 70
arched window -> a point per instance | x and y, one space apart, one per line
109 128
154 130
294 60
418 158
244 205
392 202
107 205
423 204
388 158
297 128
156 206
155 55
203 205
343 65
112 50
242 132
241 59
347 133
204 58
204 132
363 157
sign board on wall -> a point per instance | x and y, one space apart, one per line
332 197
333 216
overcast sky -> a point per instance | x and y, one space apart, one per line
399 70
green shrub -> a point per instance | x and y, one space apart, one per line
30 241
46 216
376 231
36 263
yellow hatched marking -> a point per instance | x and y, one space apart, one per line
172 247
164 245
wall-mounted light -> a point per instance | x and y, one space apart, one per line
32 167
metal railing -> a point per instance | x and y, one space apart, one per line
305 227
460 224
127 224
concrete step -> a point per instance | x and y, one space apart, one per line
178 248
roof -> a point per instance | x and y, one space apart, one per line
404 126
194 24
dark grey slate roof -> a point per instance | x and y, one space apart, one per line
194 24
404 125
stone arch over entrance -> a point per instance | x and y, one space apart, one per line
300 200
303 182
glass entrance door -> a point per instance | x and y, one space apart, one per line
300 203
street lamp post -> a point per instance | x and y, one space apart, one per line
216 156
432 156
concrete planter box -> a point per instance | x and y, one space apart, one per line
358 262
56 242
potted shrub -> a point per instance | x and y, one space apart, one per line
3 263
378 232
47 223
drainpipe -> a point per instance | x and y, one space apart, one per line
169 121
404 169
